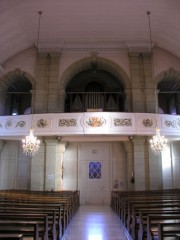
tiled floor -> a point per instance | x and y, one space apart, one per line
96 223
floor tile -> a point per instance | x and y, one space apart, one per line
96 223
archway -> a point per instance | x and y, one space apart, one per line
16 87
168 87
109 83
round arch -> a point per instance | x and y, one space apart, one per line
16 81
170 73
112 103
168 88
103 64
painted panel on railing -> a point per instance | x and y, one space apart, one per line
90 123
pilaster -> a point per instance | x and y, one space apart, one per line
129 146
46 83
140 164
50 163
38 169
143 85
61 99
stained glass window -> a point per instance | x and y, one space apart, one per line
94 170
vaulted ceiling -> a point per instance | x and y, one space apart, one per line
66 24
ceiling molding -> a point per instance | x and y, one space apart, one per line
95 46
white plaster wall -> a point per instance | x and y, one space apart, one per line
122 59
67 59
37 170
176 163
23 170
50 162
24 60
70 176
163 60
167 168
155 171
139 165
119 167
9 158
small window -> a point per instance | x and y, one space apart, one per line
94 170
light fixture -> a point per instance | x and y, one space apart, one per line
158 141
30 143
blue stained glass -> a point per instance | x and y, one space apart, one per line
94 170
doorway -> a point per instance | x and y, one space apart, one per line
94 173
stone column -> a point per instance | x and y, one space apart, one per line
139 164
128 100
38 168
46 83
129 146
2 143
62 149
53 160
177 96
61 99
146 159
3 108
143 85
52 87
50 162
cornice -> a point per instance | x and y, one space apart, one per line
74 46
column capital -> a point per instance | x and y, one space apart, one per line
2 143
62 146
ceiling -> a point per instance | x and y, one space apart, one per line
82 24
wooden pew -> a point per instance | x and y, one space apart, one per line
137 225
154 220
27 228
168 230
143 230
53 219
139 217
7 236
128 205
65 204
62 213
177 237
41 219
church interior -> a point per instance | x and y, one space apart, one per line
90 110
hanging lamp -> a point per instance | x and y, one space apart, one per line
158 141
30 143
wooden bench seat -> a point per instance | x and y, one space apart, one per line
11 236
41 219
27 228
133 206
54 223
143 228
136 224
139 218
59 206
168 230
154 220
63 206
133 209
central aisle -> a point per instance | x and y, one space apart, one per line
96 223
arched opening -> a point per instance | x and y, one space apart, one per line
96 90
169 93
17 94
